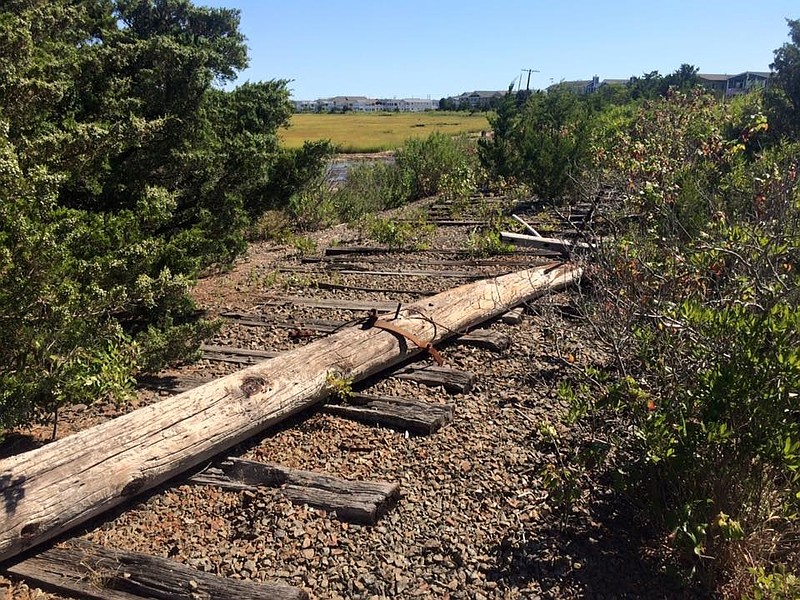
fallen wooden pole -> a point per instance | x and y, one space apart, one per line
58 486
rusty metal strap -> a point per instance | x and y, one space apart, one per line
374 321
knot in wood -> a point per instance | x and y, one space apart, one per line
253 385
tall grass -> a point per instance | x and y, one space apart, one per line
377 132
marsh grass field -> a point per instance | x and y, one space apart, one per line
376 132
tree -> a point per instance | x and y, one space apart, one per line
783 95
125 173
543 143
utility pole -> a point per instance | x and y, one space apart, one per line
528 71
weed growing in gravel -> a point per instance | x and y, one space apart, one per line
485 243
413 234
341 388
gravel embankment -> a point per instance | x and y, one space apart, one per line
473 520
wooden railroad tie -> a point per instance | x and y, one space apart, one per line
353 501
401 414
81 568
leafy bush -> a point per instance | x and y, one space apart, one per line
695 301
424 163
544 143
413 234
125 174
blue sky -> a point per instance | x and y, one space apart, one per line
436 48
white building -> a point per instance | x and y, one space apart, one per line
364 104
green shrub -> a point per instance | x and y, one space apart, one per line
696 303
413 234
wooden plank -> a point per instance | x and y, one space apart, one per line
545 243
240 356
503 261
455 382
371 250
55 487
331 303
336 250
354 501
513 317
324 285
263 320
402 414
174 384
92 571
450 274
487 339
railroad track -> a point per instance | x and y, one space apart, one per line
140 551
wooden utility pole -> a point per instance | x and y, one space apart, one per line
54 488
529 71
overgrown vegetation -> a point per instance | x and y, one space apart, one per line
124 174
420 168
693 293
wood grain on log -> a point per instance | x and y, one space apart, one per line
53 488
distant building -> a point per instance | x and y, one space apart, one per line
721 85
478 99
364 104
733 85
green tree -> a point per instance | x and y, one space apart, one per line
544 143
783 95
124 173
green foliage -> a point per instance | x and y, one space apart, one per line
481 244
424 163
341 388
779 584
697 299
413 234
421 167
544 143
124 175
783 95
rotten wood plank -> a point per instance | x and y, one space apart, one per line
324 285
331 303
449 274
91 571
513 317
350 500
173 384
487 339
264 320
241 356
544 243
509 260
414 416
371 250
455 382
65 483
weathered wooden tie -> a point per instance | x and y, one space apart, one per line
350 500
79 567
414 416
486 339
513 317
455 382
